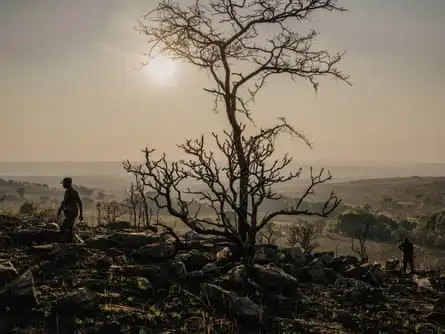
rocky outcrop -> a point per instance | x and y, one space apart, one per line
144 282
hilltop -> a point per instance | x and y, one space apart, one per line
408 195
110 176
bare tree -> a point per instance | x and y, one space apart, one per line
136 203
305 234
99 213
113 210
146 212
131 202
21 192
361 250
226 38
269 234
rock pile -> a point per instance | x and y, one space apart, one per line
131 282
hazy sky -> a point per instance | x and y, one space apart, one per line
69 89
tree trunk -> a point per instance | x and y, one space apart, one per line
243 226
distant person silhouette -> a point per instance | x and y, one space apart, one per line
407 249
71 207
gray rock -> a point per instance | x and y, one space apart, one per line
19 295
5 241
194 259
327 259
237 274
296 255
78 302
318 275
271 277
264 255
317 263
8 273
249 314
211 268
375 275
331 274
153 252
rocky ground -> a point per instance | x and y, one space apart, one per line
143 283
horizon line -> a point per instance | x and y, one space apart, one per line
339 162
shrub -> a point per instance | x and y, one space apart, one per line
27 208
304 234
269 234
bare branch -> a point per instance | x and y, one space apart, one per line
228 39
223 37
329 206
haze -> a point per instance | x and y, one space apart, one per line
69 89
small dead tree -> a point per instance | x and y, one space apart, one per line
269 234
137 205
361 249
131 202
99 213
305 234
21 192
228 39
112 211
146 213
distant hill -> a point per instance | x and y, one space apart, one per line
411 195
109 183
391 186
340 170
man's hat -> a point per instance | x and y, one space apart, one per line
67 180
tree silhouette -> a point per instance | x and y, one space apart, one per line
227 39
21 192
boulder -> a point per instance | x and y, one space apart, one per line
273 278
249 314
264 255
195 259
19 295
154 252
8 273
5 241
29 237
295 255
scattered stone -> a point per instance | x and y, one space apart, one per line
242 308
318 275
136 282
5 241
19 295
273 278
194 259
7 273
266 255
154 252
295 255
79 302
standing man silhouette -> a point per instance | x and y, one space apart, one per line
72 208
407 248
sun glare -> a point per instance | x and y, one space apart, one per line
162 71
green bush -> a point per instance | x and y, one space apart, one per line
428 231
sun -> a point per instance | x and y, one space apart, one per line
162 71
